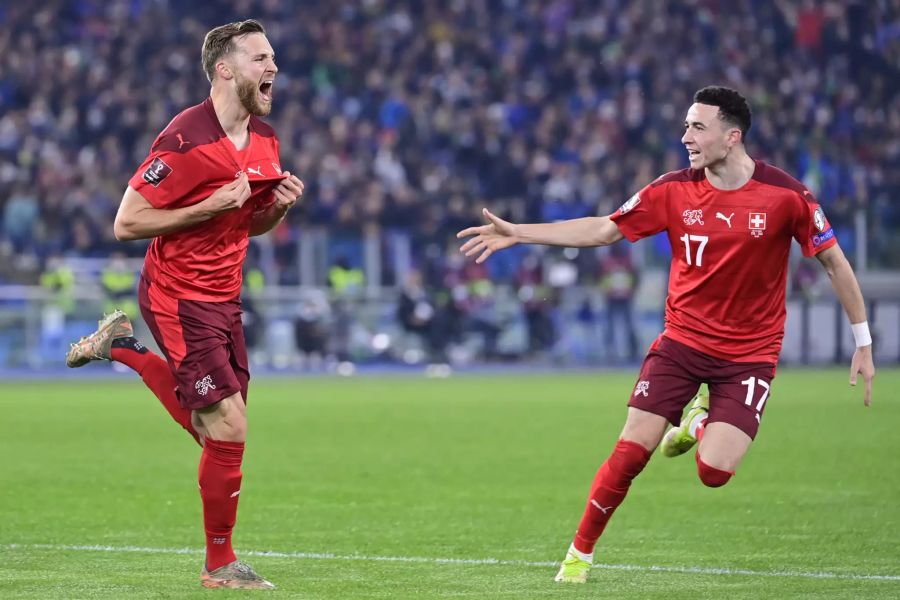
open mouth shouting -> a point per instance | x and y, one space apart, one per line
265 90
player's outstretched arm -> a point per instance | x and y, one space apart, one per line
847 289
499 234
137 219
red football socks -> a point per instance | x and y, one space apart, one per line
711 476
158 377
608 491
220 485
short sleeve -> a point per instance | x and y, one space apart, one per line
165 177
811 229
642 215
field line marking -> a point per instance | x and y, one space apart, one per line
460 561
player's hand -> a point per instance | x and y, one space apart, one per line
288 192
496 235
862 364
230 196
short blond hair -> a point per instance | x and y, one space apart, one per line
219 42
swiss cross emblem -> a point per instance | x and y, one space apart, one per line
757 223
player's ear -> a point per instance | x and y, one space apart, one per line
223 70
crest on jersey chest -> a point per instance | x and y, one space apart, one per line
757 223
693 216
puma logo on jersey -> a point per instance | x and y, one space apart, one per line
724 218
256 171
692 217
642 388
181 140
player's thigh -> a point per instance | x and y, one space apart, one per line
239 359
667 381
723 446
226 420
644 428
207 373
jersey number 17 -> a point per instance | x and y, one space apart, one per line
687 239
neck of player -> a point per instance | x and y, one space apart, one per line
234 118
733 171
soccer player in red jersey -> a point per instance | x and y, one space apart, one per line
730 221
212 179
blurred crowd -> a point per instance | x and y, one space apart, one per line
410 115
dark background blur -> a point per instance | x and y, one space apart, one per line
404 118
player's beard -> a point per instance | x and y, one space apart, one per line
248 94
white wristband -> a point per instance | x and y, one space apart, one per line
861 334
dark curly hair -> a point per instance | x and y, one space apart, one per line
733 108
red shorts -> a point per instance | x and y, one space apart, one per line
672 374
203 343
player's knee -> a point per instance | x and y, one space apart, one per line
225 421
711 476
228 432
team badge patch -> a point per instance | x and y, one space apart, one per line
156 172
692 217
819 219
757 223
204 385
629 204
642 387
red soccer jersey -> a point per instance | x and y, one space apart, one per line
729 255
188 162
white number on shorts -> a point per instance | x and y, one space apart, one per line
687 239
751 387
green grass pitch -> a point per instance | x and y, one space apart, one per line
469 487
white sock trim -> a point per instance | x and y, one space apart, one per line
696 422
585 557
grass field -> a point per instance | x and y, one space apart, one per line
469 487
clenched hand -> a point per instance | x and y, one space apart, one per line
288 192
230 196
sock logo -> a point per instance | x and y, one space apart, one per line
234 495
602 509
204 385
218 540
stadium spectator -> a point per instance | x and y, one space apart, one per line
619 281
541 106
